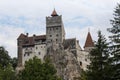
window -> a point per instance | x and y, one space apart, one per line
50 35
85 59
80 63
36 47
41 46
39 53
28 54
56 28
56 35
56 40
50 29
26 49
24 54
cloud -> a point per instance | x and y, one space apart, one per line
8 38
22 16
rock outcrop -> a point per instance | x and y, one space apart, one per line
65 62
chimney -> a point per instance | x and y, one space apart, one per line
27 34
34 35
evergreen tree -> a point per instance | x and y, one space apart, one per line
115 43
99 57
36 70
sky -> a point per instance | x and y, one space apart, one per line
28 16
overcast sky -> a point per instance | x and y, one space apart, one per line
28 16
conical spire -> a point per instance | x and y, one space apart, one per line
89 41
54 13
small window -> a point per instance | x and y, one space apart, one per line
36 47
56 40
80 63
56 35
28 54
25 54
26 49
50 29
50 35
41 46
56 28
85 59
39 53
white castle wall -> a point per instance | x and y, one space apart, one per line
30 52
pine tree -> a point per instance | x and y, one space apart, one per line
115 43
99 56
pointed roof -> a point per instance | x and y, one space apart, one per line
54 13
89 41
22 36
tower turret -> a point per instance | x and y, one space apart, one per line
89 43
54 13
55 33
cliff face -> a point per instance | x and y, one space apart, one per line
65 63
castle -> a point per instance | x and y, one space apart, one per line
40 45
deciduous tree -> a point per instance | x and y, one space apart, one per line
37 70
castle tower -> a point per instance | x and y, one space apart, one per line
89 45
55 33
20 41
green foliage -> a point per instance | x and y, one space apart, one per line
7 73
4 57
6 69
83 75
99 56
36 70
115 44
13 62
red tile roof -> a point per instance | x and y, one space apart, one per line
22 36
30 41
89 41
54 13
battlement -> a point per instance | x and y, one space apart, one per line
53 21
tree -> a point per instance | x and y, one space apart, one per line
99 56
36 70
83 75
4 57
13 62
7 73
115 43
